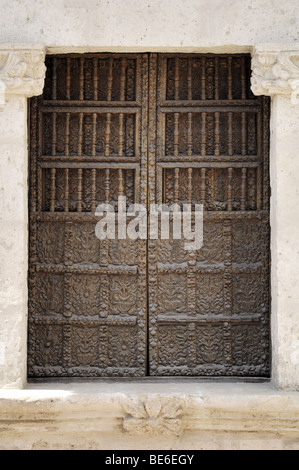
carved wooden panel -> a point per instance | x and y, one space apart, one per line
157 129
209 309
87 298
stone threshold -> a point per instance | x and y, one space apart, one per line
171 414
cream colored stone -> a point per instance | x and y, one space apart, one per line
213 416
276 71
13 241
143 25
284 171
22 71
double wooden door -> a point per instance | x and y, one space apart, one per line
156 129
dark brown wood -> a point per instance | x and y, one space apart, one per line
66 189
156 128
87 297
189 135
210 309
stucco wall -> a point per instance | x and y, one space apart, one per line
149 24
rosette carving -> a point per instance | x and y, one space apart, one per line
153 416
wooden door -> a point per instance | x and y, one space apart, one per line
209 309
156 129
88 299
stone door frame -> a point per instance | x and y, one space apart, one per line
276 74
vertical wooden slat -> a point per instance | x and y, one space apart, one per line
213 186
120 183
203 78
80 178
110 80
54 134
229 189
67 134
107 186
121 135
95 79
176 79
203 185
243 79
217 134
123 79
81 79
243 189
161 117
189 185
189 79
189 135
33 159
107 135
136 177
54 80
147 165
68 78
80 136
230 78
259 134
66 190
160 184
176 185
164 186
259 188
176 134
93 189
94 134
40 189
216 78
203 133
161 127
265 151
52 189
243 135
152 128
230 133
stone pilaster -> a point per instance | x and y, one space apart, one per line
275 72
22 72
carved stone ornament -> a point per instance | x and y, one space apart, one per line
154 417
276 72
22 71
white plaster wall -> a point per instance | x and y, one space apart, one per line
149 24
284 169
13 242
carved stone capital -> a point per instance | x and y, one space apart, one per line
275 71
22 71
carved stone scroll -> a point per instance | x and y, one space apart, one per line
22 71
276 71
